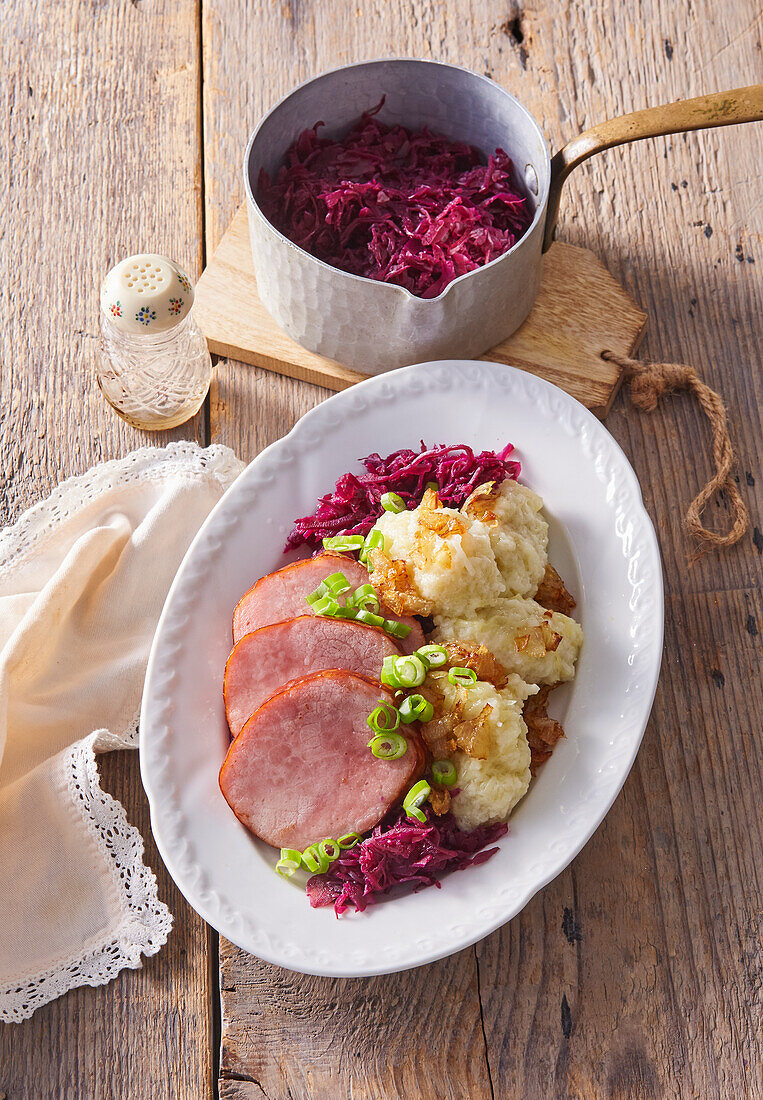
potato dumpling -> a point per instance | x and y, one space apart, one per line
504 625
456 569
490 788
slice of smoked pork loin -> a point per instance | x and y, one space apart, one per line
265 660
301 771
281 595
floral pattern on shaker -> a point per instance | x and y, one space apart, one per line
116 309
176 304
145 315
184 282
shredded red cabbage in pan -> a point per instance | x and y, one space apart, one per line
355 504
396 205
400 851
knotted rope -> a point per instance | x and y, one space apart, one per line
648 383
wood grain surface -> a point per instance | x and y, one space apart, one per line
100 153
580 312
638 972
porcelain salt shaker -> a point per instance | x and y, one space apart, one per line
154 366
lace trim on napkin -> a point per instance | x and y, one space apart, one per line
147 920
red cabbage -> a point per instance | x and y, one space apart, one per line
396 205
401 851
355 504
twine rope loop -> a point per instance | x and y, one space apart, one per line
651 381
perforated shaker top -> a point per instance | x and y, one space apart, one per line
147 294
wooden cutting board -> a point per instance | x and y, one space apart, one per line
581 310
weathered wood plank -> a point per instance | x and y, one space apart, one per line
100 148
635 973
373 1038
147 1033
271 1029
649 945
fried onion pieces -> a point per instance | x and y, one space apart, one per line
479 659
433 518
438 732
439 800
543 732
480 505
448 730
552 593
390 578
472 735
540 639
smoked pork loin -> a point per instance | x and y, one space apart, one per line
301 771
265 660
281 595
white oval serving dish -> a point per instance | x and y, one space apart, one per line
602 542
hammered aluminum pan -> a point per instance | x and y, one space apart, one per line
372 326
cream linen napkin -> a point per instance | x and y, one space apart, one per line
83 576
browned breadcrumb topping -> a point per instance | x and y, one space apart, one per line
552 593
543 732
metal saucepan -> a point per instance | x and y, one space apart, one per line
373 326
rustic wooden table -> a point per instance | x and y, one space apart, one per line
637 973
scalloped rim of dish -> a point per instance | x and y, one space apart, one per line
639 546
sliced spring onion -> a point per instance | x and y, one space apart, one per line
349 840
415 708
383 718
388 746
444 772
366 597
333 585
374 540
434 655
369 618
411 671
329 849
326 605
314 859
336 583
363 604
392 502
397 629
290 861
463 677
388 675
343 543
403 672
417 795
345 611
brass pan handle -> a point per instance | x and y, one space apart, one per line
716 109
